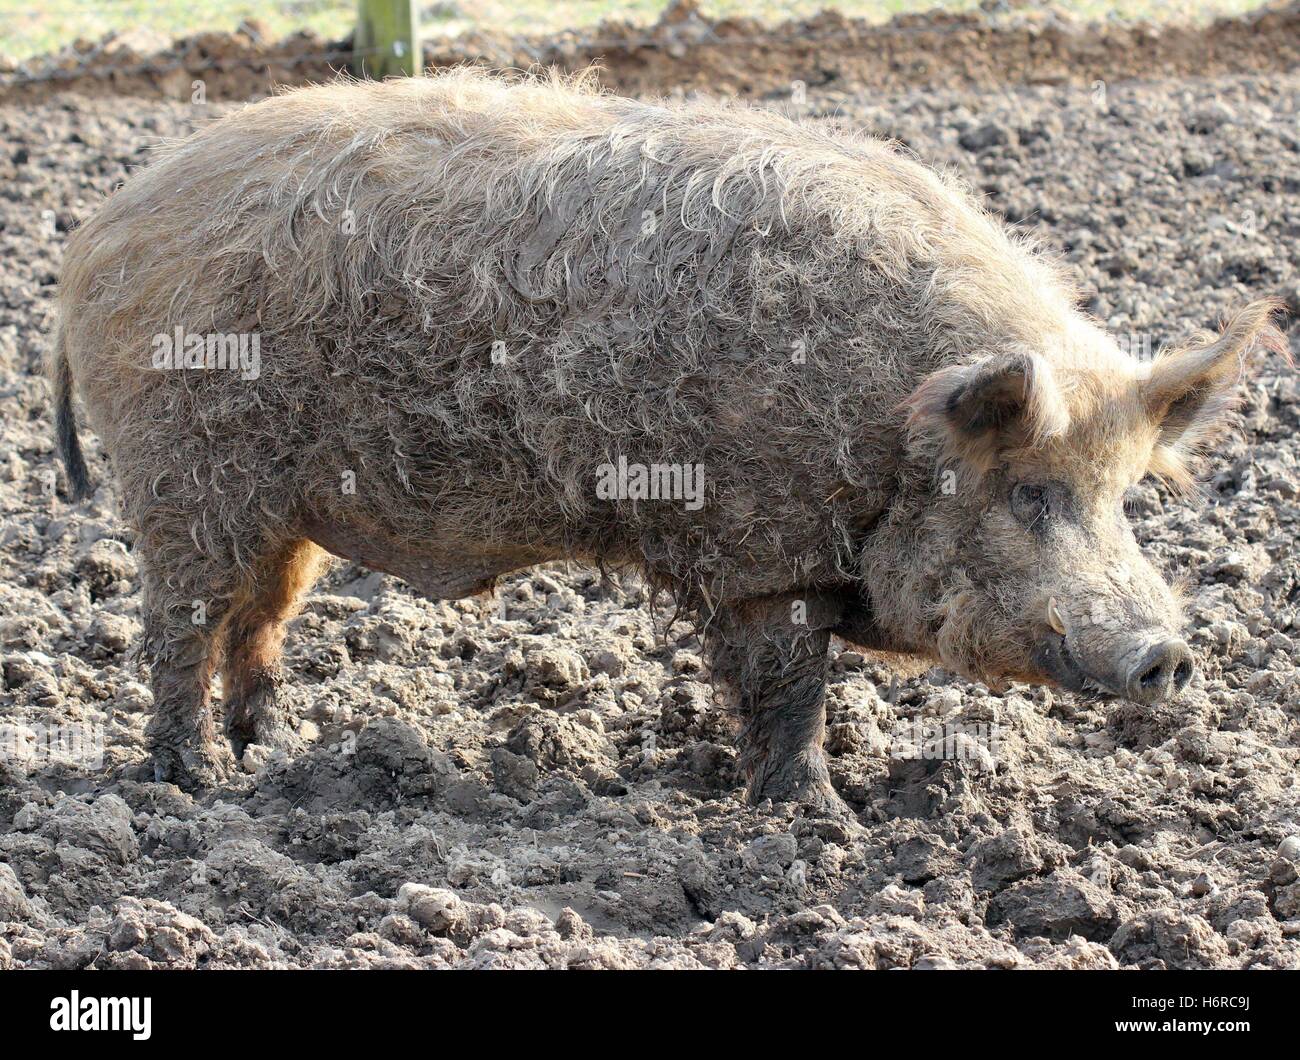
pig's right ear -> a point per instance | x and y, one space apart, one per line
976 410
1189 392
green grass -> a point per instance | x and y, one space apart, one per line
29 27
32 27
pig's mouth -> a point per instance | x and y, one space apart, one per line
1053 657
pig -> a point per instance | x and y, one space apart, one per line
457 326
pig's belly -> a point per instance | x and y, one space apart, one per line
439 570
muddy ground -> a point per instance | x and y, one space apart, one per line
541 778
1011 41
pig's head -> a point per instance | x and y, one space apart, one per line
1019 562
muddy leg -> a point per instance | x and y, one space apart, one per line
772 654
181 623
255 711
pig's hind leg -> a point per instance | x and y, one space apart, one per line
254 638
772 655
185 599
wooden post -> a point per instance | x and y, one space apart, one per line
387 39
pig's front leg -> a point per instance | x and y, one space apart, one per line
771 656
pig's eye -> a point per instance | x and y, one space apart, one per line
1029 504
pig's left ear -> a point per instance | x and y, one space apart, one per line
978 409
1189 392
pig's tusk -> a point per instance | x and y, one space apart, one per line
1054 617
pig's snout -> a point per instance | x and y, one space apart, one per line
1160 673
1147 666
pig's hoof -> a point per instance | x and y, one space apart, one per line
814 794
800 778
192 768
826 800
263 721
280 736
821 800
829 815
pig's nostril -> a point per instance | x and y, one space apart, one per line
1153 676
1163 673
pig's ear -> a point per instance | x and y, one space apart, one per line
978 409
1190 392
